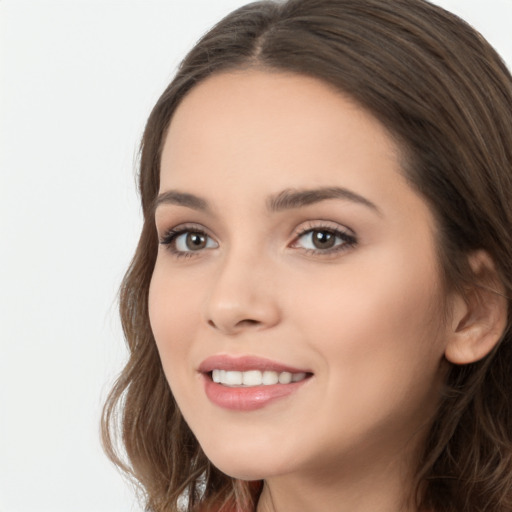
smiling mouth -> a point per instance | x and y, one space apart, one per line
253 378
249 383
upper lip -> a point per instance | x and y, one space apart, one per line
245 363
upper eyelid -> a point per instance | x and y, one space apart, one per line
183 227
327 225
298 231
303 226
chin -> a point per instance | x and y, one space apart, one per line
241 470
246 464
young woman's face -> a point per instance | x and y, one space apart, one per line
296 300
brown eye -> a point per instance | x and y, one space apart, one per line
323 239
195 241
187 241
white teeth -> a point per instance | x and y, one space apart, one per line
233 378
255 377
285 378
252 378
270 378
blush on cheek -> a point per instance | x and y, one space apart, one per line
173 313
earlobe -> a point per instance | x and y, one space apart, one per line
479 318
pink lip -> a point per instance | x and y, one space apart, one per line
250 398
245 363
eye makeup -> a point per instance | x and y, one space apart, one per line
315 238
324 239
187 240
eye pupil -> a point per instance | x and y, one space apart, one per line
195 241
323 239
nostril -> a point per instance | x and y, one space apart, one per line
247 323
241 324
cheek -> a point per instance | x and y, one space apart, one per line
173 312
383 294
378 329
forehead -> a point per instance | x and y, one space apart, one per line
264 124
286 94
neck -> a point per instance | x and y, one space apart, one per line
379 488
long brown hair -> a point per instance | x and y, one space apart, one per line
446 96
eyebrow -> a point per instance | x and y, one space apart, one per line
288 199
181 199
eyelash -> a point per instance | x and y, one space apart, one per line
170 237
348 239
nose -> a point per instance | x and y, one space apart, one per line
242 296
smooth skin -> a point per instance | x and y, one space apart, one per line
347 287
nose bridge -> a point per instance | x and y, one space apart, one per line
241 294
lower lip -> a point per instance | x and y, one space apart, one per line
247 398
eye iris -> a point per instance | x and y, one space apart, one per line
323 239
195 241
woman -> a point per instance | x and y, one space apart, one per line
317 312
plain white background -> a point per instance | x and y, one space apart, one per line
77 81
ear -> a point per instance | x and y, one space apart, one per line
479 318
